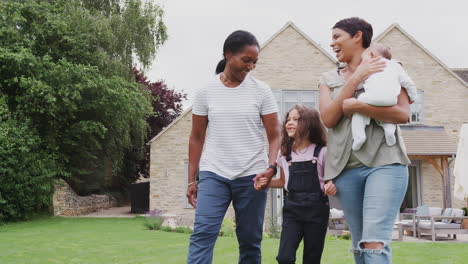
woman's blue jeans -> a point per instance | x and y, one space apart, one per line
215 193
371 199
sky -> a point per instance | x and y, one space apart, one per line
197 30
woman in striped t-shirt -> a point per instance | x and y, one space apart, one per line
233 111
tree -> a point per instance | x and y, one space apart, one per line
167 103
66 76
167 106
26 170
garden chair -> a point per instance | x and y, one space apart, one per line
450 223
407 222
336 222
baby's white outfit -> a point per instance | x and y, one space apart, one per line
382 89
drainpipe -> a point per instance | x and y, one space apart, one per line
449 187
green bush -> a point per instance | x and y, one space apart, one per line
274 229
183 229
153 223
154 220
346 236
27 171
166 229
228 228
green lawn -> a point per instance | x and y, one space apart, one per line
124 240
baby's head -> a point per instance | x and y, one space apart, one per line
377 49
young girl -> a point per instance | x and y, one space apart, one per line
306 208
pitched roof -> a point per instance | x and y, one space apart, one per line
189 110
292 25
398 27
427 140
462 72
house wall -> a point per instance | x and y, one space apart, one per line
445 103
290 61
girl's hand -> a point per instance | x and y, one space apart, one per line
330 188
260 183
262 179
368 67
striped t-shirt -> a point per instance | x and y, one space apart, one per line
235 141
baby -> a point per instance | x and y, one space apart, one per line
381 89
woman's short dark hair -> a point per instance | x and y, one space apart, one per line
354 24
234 43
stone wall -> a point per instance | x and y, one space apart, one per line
67 203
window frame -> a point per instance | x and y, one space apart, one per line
420 114
187 205
280 95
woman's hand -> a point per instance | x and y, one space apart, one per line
260 183
329 188
351 106
262 179
397 114
368 67
192 191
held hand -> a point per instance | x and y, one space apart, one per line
330 188
368 67
260 183
192 191
351 106
261 178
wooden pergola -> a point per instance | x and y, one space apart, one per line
432 144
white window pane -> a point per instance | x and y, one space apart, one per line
186 169
277 94
288 106
290 96
309 104
417 109
308 96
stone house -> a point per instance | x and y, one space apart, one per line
291 63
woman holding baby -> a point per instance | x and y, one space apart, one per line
371 182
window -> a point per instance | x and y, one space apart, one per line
286 99
413 196
416 109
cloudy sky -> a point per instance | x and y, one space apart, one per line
197 29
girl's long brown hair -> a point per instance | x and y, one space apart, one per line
309 126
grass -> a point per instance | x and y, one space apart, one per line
126 240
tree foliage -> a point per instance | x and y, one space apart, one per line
167 106
166 103
68 92
27 170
